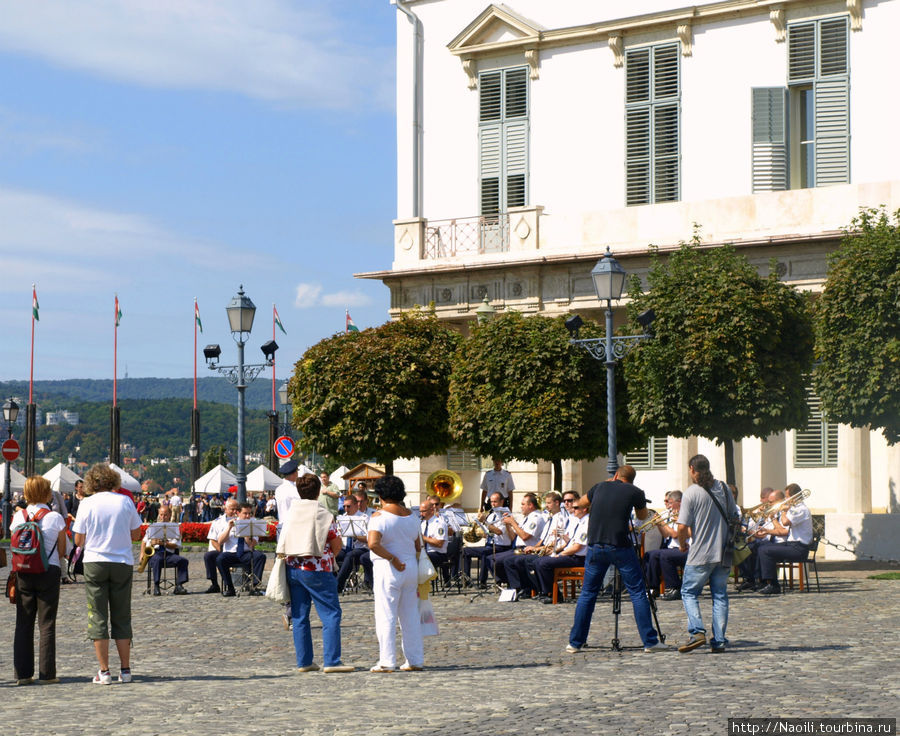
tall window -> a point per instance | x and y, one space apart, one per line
460 460
652 457
652 125
816 446
801 134
503 139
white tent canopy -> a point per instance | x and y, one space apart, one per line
337 477
16 479
61 478
129 482
217 480
262 480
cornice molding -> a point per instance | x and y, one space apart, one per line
535 38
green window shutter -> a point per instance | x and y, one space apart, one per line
832 132
770 156
801 52
833 47
652 125
503 140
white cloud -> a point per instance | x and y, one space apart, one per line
311 295
277 50
307 295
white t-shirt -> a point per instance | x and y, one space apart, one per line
107 519
398 535
51 525
285 495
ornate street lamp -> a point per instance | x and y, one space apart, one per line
10 414
241 312
609 282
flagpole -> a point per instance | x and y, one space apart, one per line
31 371
195 353
115 347
273 357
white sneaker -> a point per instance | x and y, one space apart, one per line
125 676
658 647
102 678
572 650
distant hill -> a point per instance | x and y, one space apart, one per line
215 389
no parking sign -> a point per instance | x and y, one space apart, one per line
284 447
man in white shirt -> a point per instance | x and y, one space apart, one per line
355 551
499 481
498 541
286 493
175 503
218 525
165 554
540 569
526 534
239 550
794 525
515 568
434 534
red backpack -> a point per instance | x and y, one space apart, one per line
27 545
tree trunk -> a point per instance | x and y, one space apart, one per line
389 467
557 475
729 462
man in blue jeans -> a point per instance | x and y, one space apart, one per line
707 560
609 543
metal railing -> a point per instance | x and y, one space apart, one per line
449 238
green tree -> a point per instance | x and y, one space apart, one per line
521 390
379 393
857 321
730 354
215 455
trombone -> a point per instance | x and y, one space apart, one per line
768 510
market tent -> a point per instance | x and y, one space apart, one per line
337 477
262 480
61 478
129 482
216 480
16 479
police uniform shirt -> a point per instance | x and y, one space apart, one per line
533 525
578 535
216 528
435 527
801 528
498 481
493 519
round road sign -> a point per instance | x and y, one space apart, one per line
10 450
284 447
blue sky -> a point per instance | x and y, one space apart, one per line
171 149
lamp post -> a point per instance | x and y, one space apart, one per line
485 312
286 403
194 455
10 414
609 281
240 311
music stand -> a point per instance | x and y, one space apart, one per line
353 527
167 531
248 528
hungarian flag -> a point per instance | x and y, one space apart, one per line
351 326
278 319
197 315
118 312
35 307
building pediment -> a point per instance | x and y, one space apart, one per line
496 27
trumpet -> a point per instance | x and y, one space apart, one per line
656 520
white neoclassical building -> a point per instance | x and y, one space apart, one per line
534 134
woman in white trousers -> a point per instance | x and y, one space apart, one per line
394 545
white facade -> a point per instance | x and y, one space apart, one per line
534 254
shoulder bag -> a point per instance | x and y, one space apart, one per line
736 549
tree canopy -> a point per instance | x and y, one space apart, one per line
380 393
857 322
731 349
521 390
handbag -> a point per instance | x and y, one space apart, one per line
277 589
12 583
426 569
736 549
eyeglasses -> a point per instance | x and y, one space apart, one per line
568 500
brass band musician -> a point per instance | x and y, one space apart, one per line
663 563
166 554
499 541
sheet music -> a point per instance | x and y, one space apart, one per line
352 526
167 530
250 527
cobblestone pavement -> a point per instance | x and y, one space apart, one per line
208 665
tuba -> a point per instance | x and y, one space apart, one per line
445 484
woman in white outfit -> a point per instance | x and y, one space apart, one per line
394 546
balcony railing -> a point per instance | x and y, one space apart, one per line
476 235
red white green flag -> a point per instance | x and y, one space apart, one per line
351 325
118 312
197 315
35 307
278 319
